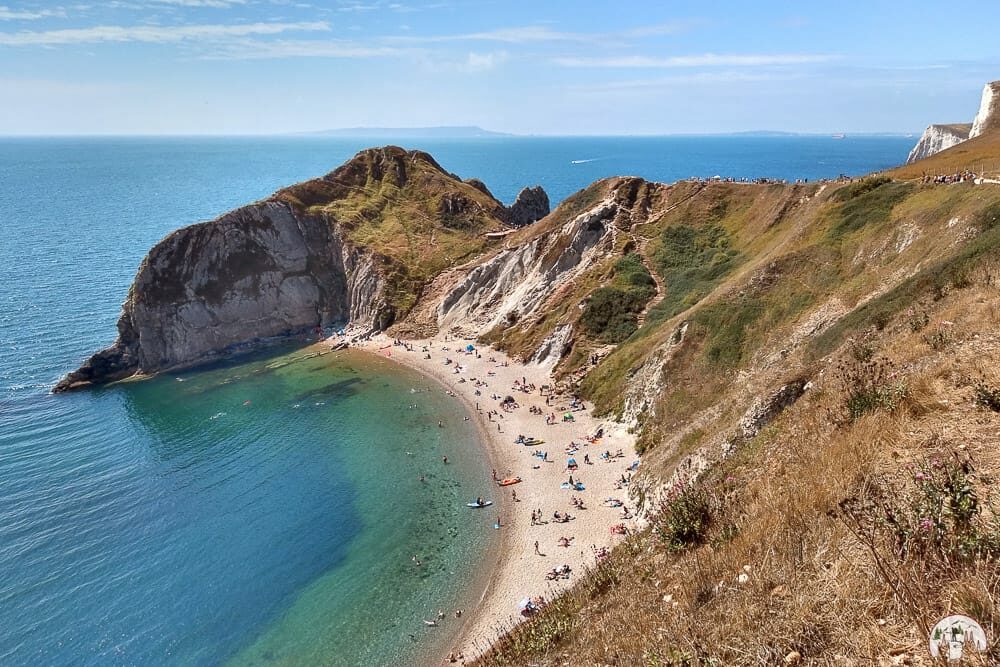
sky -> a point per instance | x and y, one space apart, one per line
542 67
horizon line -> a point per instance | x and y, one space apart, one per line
318 134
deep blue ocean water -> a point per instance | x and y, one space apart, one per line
253 512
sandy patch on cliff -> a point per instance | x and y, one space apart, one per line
519 571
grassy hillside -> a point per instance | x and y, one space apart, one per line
419 219
816 388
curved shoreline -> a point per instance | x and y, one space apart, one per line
487 444
519 570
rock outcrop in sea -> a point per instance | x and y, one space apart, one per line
531 205
937 138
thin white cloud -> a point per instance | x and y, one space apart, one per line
702 60
521 35
661 29
152 34
358 7
682 80
540 33
249 49
217 4
8 14
481 62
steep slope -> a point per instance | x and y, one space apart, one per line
819 366
988 116
354 247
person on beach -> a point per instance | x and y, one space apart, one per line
444 459
536 548
513 495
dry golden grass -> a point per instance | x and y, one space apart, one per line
813 588
981 155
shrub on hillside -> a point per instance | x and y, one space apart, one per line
870 384
987 396
612 312
684 515
690 508
937 515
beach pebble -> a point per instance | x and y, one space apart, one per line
743 578
793 658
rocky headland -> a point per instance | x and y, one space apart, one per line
324 253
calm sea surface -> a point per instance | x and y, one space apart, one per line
263 510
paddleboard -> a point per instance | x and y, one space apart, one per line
476 505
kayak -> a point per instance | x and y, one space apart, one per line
533 443
477 505
509 481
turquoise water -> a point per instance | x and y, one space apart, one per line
169 522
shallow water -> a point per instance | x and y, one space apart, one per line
260 511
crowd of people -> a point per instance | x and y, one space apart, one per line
963 176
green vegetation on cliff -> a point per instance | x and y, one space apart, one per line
611 313
401 205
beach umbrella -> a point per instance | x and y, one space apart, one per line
524 604
571 462
469 348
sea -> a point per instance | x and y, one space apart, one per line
270 509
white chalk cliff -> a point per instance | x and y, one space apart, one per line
937 138
989 110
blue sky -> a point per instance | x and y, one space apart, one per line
274 66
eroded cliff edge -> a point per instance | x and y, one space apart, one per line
354 247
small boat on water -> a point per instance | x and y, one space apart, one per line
479 505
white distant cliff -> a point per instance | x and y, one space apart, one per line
989 110
937 138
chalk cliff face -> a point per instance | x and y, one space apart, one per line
937 138
322 253
989 110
